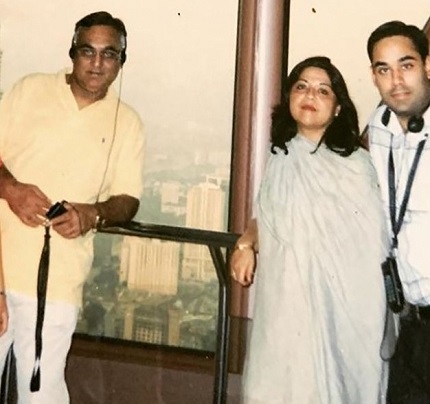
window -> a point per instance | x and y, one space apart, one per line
156 291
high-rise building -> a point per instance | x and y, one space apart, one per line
172 198
170 192
205 210
150 330
150 265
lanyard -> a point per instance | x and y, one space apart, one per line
397 224
42 283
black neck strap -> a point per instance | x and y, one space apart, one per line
42 283
396 224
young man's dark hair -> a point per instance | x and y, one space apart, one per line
399 28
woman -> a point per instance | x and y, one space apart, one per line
319 304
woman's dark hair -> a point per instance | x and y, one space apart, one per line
342 135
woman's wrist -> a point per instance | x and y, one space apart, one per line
244 246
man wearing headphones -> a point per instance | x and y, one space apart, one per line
398 136
64 136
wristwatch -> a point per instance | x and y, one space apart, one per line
99 223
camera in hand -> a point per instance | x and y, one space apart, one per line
56 210
393 285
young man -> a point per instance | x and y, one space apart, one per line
398 136
64 136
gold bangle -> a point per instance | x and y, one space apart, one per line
243 247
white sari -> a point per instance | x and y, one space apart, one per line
320 303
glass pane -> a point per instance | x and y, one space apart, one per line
151 291
187 105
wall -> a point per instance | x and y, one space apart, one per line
339 29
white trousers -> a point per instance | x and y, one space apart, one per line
58 327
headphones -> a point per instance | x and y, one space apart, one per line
101 18
415 123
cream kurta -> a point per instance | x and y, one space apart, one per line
46 140
320 303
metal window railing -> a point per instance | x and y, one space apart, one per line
214 241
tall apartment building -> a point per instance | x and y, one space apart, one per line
205 210
150 265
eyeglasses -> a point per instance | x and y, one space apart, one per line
107 55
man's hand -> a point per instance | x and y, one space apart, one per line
78 220
82 217
27 201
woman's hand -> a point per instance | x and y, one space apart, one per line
4 316
243 259
242 264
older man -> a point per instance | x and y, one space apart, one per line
64 136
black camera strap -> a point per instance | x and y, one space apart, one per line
42 283
396 224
